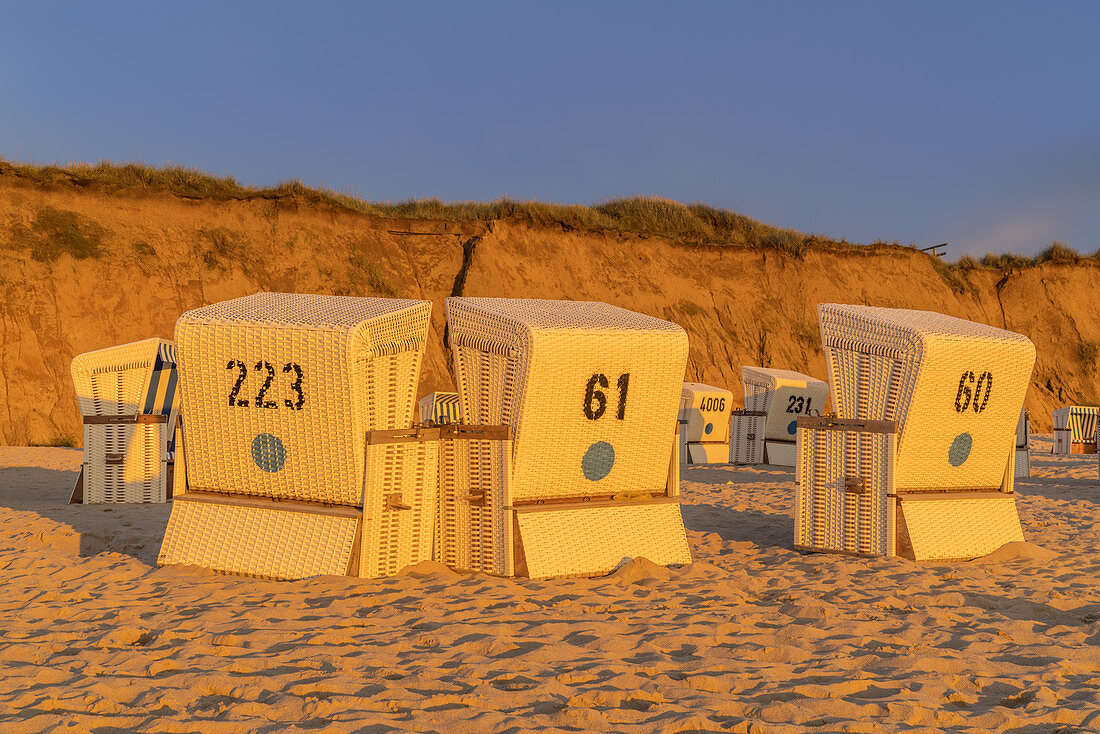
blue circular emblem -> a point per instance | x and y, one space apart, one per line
960 449
709 427
597 461
792 427
268 452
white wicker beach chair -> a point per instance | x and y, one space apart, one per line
127 396
747 436
920 459
590 392
705 424
440 407
783 395
280 392
1023 450
1075 429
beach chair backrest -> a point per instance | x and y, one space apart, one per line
591 391
280 389
954 388
784 395
705 413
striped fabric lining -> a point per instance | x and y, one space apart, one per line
160 398
440 407
1081 422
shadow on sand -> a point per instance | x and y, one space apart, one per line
131 529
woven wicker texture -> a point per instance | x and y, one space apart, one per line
584 386
258 541
440 407
956 527
400 500
127 380
746 437
1023 450
473 526
783 395
1080 420
953 386
844 491
280 389
593 541
705 413
125 462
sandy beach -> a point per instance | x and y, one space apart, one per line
751 637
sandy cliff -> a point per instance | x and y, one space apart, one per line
145 258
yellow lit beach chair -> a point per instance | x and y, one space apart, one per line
704 424
1075 429
590 392
127 396
281 391
783 395
919 460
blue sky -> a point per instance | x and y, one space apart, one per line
973 123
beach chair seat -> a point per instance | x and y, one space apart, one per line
440 407
127 397
1022 469
591 393
281 391
704 424
747 436
1075 429
783 395
919 461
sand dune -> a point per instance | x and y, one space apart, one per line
752 637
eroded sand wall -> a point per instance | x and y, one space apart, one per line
160 255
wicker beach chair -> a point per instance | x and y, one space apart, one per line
1023 451
747 436
440 407
590 477
704 424
919 461
1075 429
280 392
127 396
783 395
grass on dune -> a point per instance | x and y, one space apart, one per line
688 224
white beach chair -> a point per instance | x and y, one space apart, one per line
1075 429
280 391
591 393
919 461
1023 450
440 407
747 436
127 396
783 395
705 424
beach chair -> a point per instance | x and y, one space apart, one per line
919 461
704 424
783 395
590 475
1075 429
280 392
1023 450
747 436
127 397
440 407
